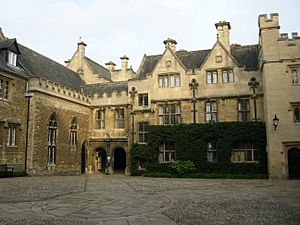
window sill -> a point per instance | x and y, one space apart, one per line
245 161
12 146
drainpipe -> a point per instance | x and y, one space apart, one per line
27 95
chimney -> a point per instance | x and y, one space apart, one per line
110 65
223 28
170 43
124 62
2 37
81 55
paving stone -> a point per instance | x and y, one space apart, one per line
126 200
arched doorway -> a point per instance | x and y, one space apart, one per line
83 157
101 159
119 160
294 163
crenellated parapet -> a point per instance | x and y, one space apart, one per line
290 41
58 90
268 21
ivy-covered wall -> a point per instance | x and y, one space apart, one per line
191 141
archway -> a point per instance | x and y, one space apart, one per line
83 158
119 160
101 159
294 163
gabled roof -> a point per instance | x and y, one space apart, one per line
4 66
107 88
9 44
98 69
245 55
37 65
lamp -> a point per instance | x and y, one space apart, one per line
193 85
275 122
253 85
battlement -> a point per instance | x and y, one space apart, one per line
58 89
268 21
284 36
289 41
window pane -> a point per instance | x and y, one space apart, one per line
296 115
215 77
177 81
5 90
172 81
160 81
294 76
225 76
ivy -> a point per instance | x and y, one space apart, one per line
191 144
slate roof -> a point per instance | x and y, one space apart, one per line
245 55
98 69
7 43
37 65
107 88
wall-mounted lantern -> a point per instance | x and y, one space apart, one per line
275 122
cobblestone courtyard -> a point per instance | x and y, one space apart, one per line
120 200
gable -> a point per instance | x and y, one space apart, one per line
168 62
219 57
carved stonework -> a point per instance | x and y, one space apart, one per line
168 63
218 59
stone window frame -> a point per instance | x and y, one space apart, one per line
4 88
143 99
169 80
212 151
119 118
244 152
211 76
100 119
243 112
228 75
294 71
167 152
211 111
169 114
143 132
11 137
52 139
295 108
73 132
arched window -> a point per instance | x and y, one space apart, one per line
52 128
73 132
296 115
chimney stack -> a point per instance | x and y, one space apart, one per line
81 55
223 28
171 43
110 65
124 62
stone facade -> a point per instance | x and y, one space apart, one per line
13 119
280 58
112 107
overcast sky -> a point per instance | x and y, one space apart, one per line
112 28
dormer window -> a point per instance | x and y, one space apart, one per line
12 58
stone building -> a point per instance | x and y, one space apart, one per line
84 117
